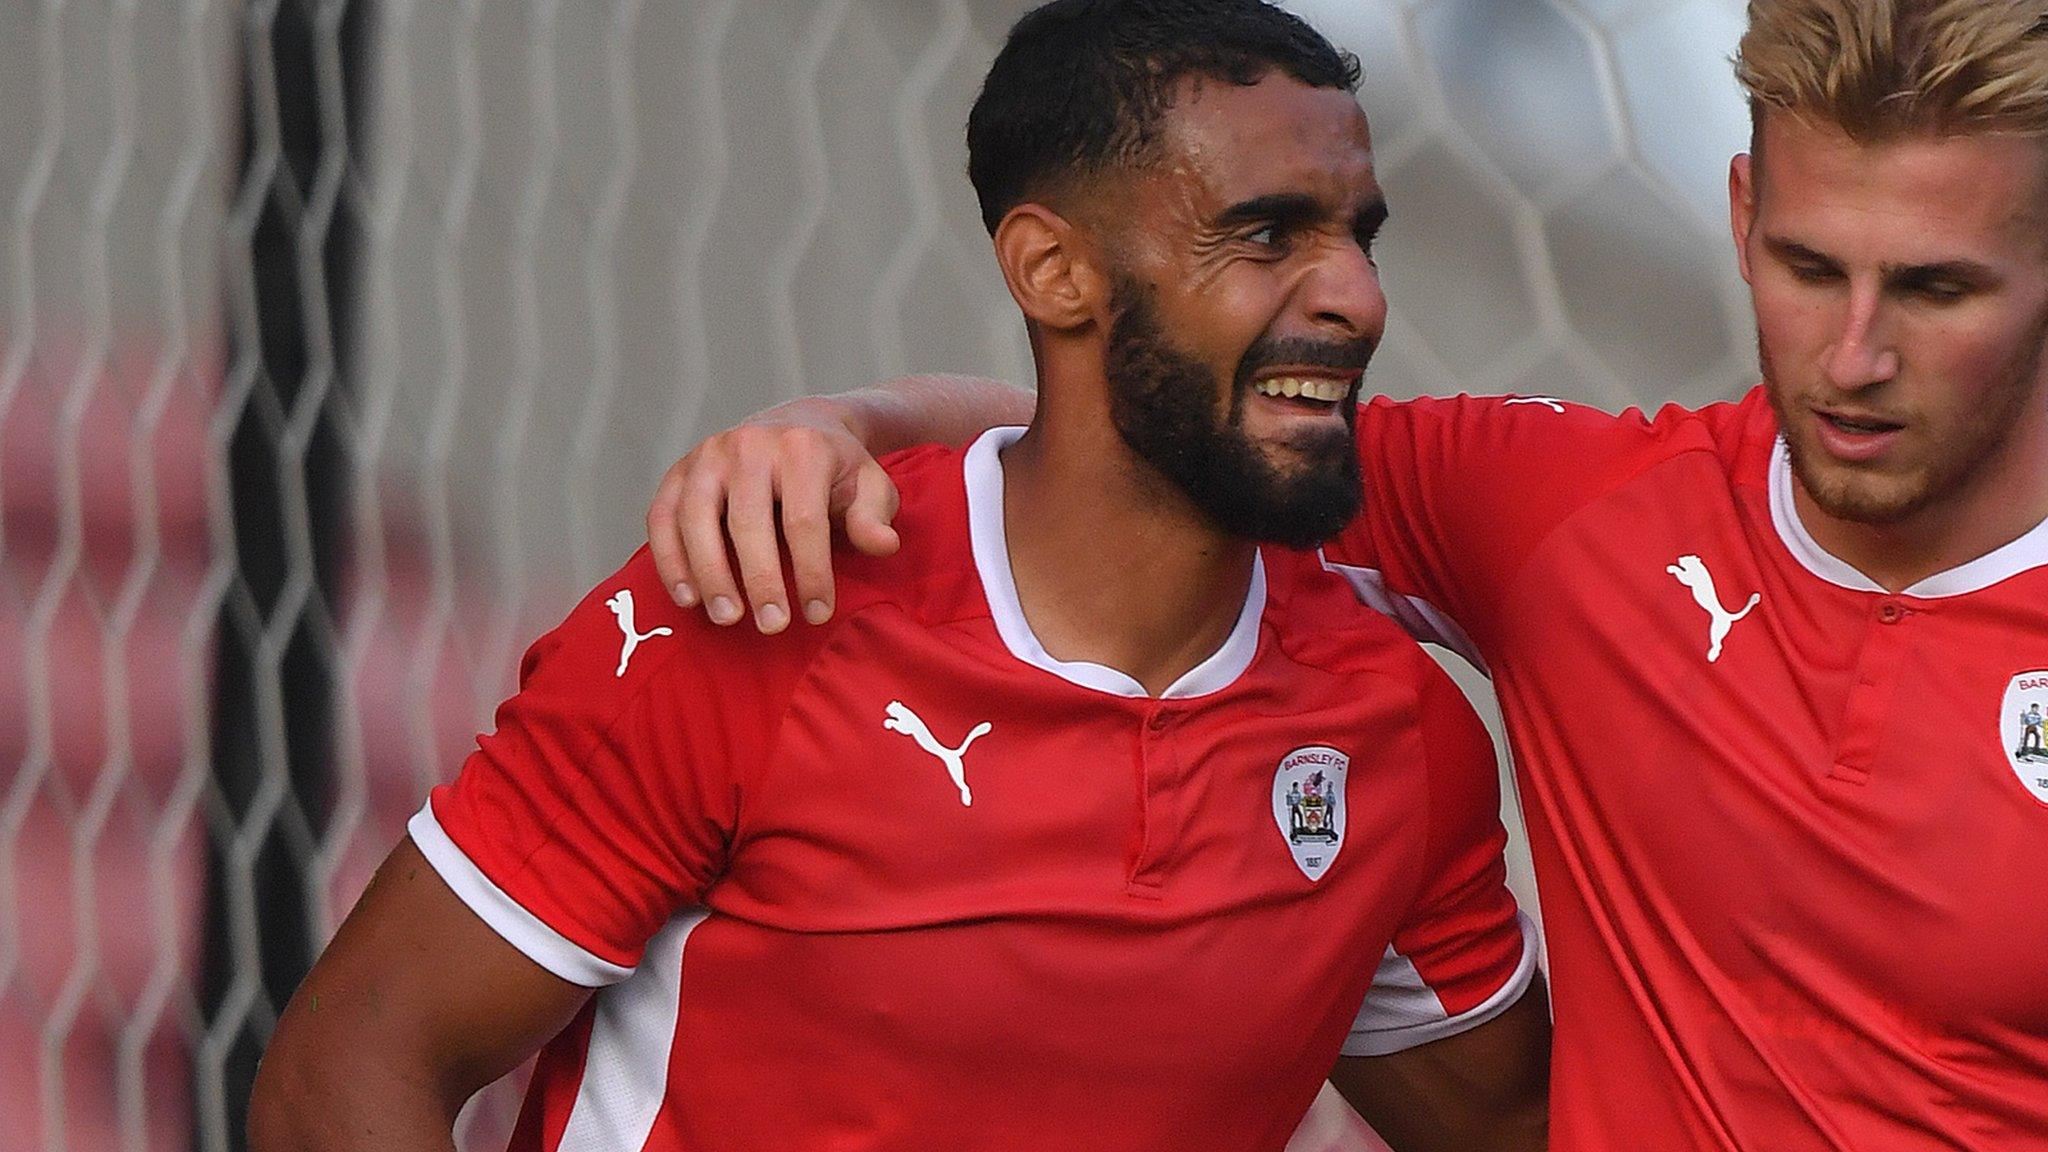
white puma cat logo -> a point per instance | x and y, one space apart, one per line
621 605
1692 572
902 719
1550 402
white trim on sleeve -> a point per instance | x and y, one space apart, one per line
1401 1010
1422 620
520 928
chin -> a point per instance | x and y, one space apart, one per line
1859 497
1301 449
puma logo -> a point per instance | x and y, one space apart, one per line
621 605
1550 402
1692 572
902 719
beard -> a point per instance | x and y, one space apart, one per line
1165 406
1950 463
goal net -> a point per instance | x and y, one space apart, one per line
341 344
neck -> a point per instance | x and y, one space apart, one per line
1997 507
1113 566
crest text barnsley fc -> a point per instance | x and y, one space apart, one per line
1308 805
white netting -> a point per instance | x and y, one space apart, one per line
341 343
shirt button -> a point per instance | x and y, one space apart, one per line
1891 612
1159 721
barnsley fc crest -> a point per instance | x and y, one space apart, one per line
2023 727
1308 804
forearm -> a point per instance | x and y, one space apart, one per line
298 1107
917 410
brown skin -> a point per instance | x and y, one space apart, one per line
414 1006
1904 285
1481 1089
1222 278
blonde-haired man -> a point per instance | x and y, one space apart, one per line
1757 661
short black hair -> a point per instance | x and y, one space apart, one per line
1081 86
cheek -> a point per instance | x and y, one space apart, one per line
1235 313
1245 300
1969 367
1789 322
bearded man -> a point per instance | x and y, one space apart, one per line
1101 817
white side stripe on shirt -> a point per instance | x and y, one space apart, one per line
1422 620
625 1069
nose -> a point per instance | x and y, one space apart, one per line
1343 295
1862 354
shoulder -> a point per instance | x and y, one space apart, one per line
626 644
932 576
1319 622
1542 425
1317 619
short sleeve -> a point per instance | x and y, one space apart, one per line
1458 492
1464 953
603 802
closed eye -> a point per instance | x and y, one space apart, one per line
1934 287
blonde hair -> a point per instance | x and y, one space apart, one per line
1882 69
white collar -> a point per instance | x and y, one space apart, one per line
984 472
2029 551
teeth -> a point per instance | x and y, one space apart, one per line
1307 388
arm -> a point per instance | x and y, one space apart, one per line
1450 1049
579 827
415 1006
812 459
1482 1090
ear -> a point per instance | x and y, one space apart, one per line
1051 267
1742 207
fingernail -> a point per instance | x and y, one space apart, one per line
817 611
771 618
723 610
686 596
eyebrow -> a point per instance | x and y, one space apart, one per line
1942 269
1370 217
1277 208
1297 208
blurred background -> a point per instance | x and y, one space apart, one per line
341 345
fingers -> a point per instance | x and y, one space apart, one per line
700 520
870 510
806 487
750 525
665 537
718 507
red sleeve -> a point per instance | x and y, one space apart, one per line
1459 491
1464 953
604 801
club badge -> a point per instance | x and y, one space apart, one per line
2023 729
1308 805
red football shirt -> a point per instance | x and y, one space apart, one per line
1790 831
905 881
